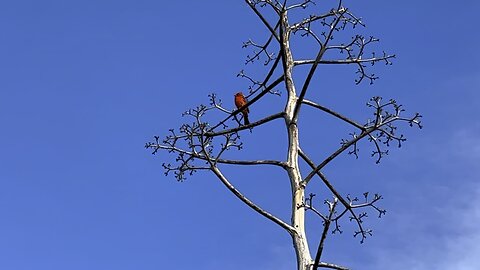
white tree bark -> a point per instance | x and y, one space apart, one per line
304 259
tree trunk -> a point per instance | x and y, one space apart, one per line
304 259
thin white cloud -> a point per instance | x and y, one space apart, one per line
464 247
444 231
465 143
454 244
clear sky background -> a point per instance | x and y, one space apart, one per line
84 84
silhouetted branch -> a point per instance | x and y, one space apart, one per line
324 179
257 84
331 112
305 23
253 100
358 218
274 4
347 202
308 204
252 205
237 193
326 227
355 51
217 103
262 49
265 81
347 61
383 118
333 27
252 4
249 126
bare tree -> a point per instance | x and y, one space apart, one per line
202 143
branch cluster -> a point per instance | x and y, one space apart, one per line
382 129
357 212
337 20
192 136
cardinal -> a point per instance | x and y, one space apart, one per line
240 101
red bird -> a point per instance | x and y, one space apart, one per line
240 101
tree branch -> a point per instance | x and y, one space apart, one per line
304 4
263 49
311 19
251 204
262 18
335 154
326 227
270 73
322 50
239 195
243 127
339 116
237 111
345 61
349 206
331 266
156 147
324 179
382 118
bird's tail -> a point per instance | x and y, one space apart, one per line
245 118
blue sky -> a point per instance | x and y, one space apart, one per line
84 84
